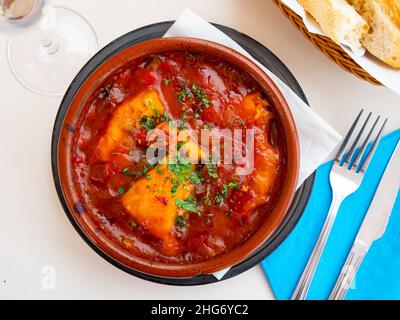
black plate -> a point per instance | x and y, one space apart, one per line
260 53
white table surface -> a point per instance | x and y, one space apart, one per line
34 231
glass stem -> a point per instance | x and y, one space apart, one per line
49 43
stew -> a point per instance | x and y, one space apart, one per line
178 210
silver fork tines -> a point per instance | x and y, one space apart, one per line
346 176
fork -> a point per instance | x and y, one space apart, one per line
345 177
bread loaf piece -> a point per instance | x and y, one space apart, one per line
383 39
338 20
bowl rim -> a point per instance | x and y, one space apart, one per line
251 245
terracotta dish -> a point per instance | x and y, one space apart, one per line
175 218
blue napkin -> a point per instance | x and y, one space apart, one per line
379 274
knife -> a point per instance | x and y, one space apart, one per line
373 226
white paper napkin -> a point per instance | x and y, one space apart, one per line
317 138
388 76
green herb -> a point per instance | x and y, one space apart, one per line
148 177
212 171
241 122
133 223
174 189
180 169
147 123
229 213
180 221
199 212
185 93
195 178
224 190
208 126
226 187
180 144
138 173
199 92
183 121
167 81
165 117
188 204
127 171
115 152
219 199
146 169
121 190
181 96
233 185
159 171
198 112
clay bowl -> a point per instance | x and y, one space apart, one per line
68 114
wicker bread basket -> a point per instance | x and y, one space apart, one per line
327 46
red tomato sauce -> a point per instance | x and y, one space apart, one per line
183 212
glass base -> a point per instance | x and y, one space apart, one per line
46 56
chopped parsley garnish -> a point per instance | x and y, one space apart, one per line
194 91
199 92
180 221
224 190
183 121
174 189
212 171
219 199
146 169
180 169
127 171
185 93
147 123
133 223
241 122
167 81
159 171
143 171
180 144
233 185
195 178
226 187
121 190
153 108
188 204
165 117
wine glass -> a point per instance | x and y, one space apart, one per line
48 46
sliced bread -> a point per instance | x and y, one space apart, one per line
383 39
338 20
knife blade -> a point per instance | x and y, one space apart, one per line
373 225
378 214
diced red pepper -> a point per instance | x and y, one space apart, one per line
149 78
163 200
166 66
79 161
140 137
